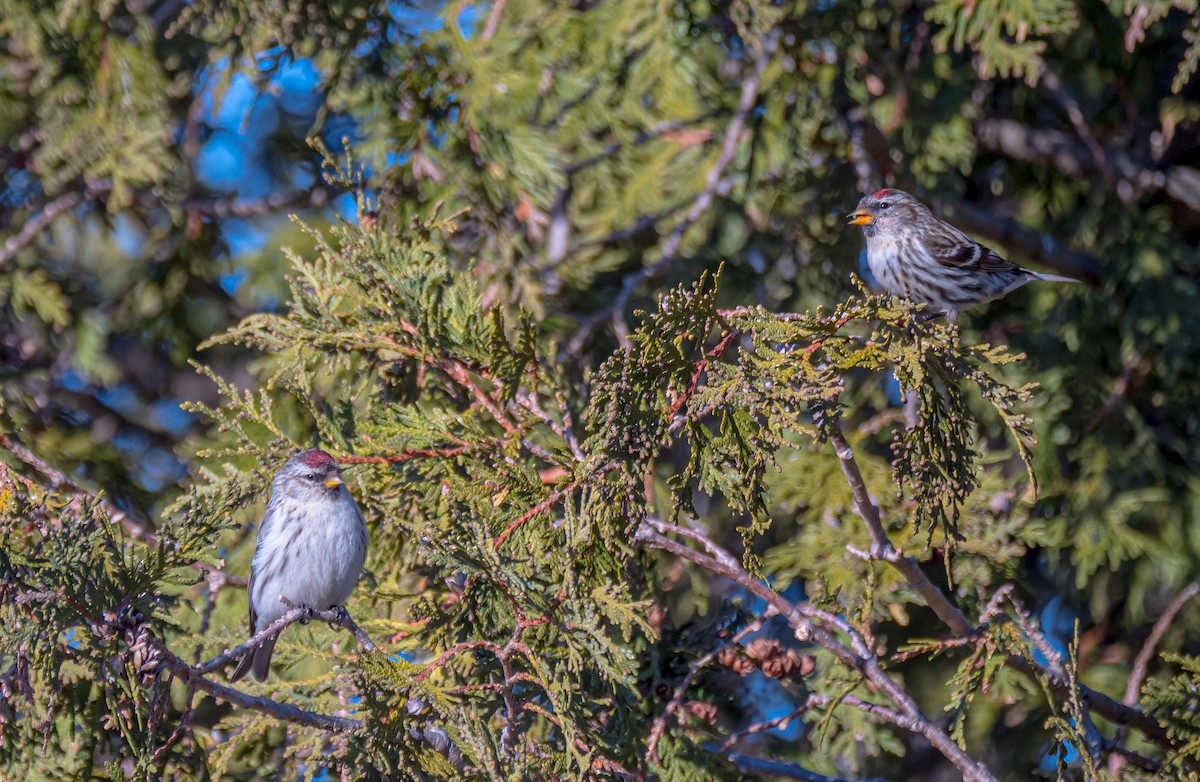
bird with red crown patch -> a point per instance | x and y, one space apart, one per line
913 254
310 549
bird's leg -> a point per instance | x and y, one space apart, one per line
343 616
925 317
307 609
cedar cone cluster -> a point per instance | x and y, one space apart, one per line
768 655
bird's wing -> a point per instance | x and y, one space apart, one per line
263 526
955 249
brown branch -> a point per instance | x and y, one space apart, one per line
295 614
882 548
284 711
1141 663
748 764
704 201
35 225
1074 113
493 21
806 629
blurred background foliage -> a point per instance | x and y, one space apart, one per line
597 154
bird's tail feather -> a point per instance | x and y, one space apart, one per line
1054 278
258 661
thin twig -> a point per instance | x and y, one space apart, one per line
729 146
1141 665
660 723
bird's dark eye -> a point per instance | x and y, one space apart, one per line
311 477
885 205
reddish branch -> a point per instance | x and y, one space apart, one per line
701 365
542 507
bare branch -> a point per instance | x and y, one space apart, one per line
808 628
1141 663
748 764
23 238
295 614
284 711
59 482
1074 158
882 548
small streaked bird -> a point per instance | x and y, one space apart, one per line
310 549
914 254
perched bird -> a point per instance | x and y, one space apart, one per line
310 549
914 254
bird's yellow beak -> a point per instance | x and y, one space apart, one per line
860 217
333 483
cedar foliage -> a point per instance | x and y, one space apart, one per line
600 307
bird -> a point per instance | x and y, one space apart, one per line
310 549
914 254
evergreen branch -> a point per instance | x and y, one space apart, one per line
701 365
334 616
408 455
660 723
733 132
551 500
61 484
748 764
882 548
800 617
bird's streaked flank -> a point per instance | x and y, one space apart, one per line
310 549
914 254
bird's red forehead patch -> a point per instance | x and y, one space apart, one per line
887 191
316 458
